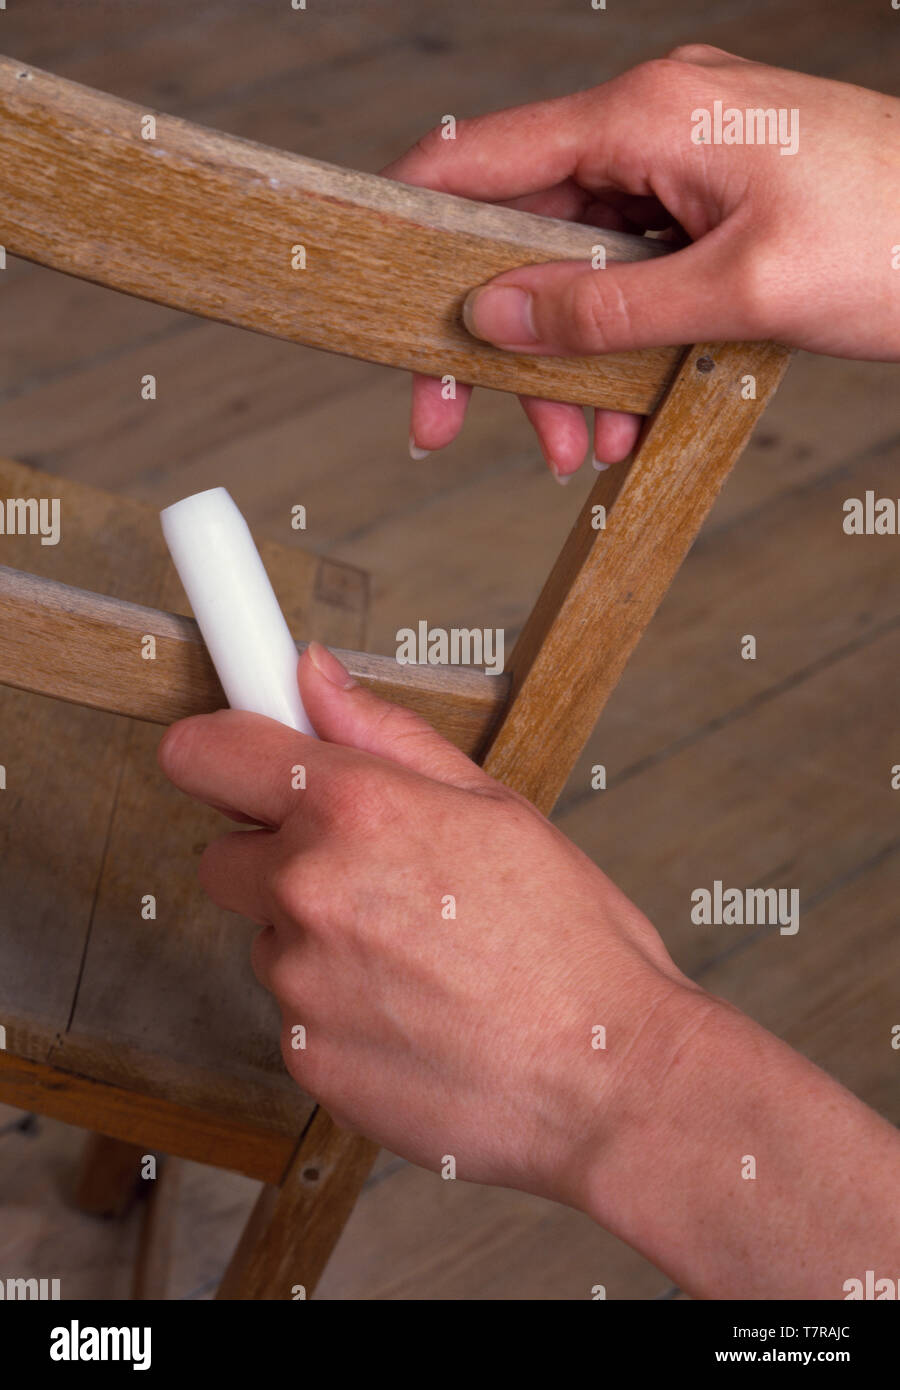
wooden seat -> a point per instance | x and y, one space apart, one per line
163 1004
151 1030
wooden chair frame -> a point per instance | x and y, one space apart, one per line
355 264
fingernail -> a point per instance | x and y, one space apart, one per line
415 452
600 467
327 664
561 478
503 315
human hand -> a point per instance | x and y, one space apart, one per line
802 247
469 1035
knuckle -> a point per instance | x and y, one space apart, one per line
597 312
283 980
303 890
656 75
355 798
287 894
362 798
396 724
693 53
760 292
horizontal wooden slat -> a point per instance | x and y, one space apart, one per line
86 648
206 222
140 1119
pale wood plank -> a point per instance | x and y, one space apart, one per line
84 193
198 1012
104 669
62 765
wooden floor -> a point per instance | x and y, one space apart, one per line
773 772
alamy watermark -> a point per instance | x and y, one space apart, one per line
22 1290
737 907
31 516
85 1343
729 125
455 646
871 516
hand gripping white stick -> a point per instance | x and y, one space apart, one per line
235 606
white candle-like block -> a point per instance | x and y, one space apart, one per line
235 606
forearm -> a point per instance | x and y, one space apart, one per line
675 1178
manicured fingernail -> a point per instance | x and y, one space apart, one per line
600 467
561 478
502 314
415 452
327 664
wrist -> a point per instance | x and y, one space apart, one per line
629 1111
725 1147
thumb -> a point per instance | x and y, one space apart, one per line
343 712
571 308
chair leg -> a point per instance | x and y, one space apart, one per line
157 1238
108 1177
293 1228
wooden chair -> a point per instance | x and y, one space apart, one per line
115 1022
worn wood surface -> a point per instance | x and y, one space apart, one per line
102 638
137 1118
714 762
165 1005
608 580
385 267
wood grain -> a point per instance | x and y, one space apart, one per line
387 266
165 1008
140 1119
103 669
293 1228
607 582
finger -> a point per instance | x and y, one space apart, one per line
237 760
526 149
690 296
621 211
705 55
353 716
232 871
615 435
562 432
435 421
567 201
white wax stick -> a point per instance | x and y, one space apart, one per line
235 606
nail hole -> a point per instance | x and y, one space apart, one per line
705 364
311 1174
